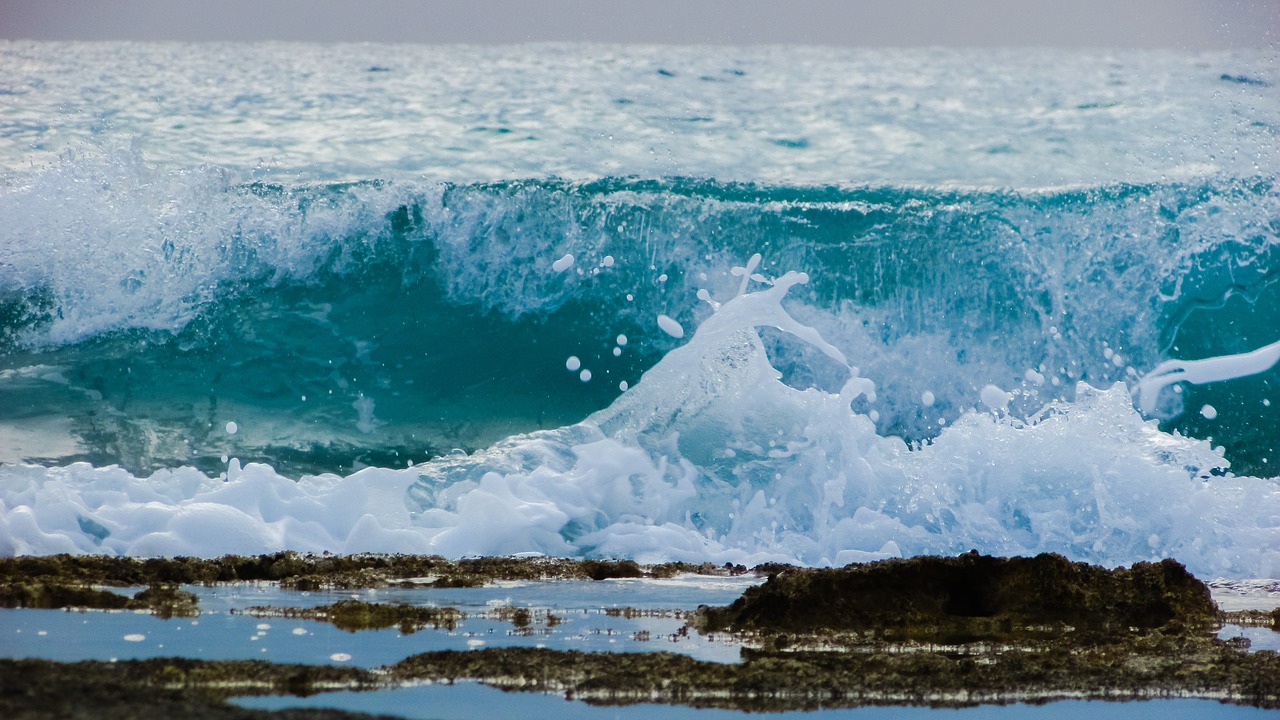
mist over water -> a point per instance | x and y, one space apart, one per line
207 296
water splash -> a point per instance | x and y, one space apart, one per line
710 456
1198 372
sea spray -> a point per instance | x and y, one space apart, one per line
294 307
1199 372
711 456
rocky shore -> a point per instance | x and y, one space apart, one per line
935 631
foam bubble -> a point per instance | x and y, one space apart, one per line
670 326
995 398
232 428
573 363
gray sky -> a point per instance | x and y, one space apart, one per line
1189 24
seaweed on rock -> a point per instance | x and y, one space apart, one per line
970 598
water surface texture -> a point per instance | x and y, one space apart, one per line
506 299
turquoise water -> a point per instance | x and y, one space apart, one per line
435 307
256 297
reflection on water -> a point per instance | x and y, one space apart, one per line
624 615
459 701
631 615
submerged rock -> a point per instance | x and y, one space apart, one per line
49 593
166 601
166 689
353 615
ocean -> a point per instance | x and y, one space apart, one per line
799 304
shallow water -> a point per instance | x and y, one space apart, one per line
589 616
622 615
459 701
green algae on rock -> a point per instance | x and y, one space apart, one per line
934 631
315 572
970 598
353 615
167 688
1156 666
50 594
45 593
166 600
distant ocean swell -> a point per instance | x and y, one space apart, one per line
192 330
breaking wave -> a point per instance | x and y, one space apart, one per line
192 365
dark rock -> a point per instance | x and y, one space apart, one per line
167 601
970 597
46 594
609 569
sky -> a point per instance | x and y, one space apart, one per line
1185 24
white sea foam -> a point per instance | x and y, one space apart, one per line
1199 372
117 242
670 326
709 457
